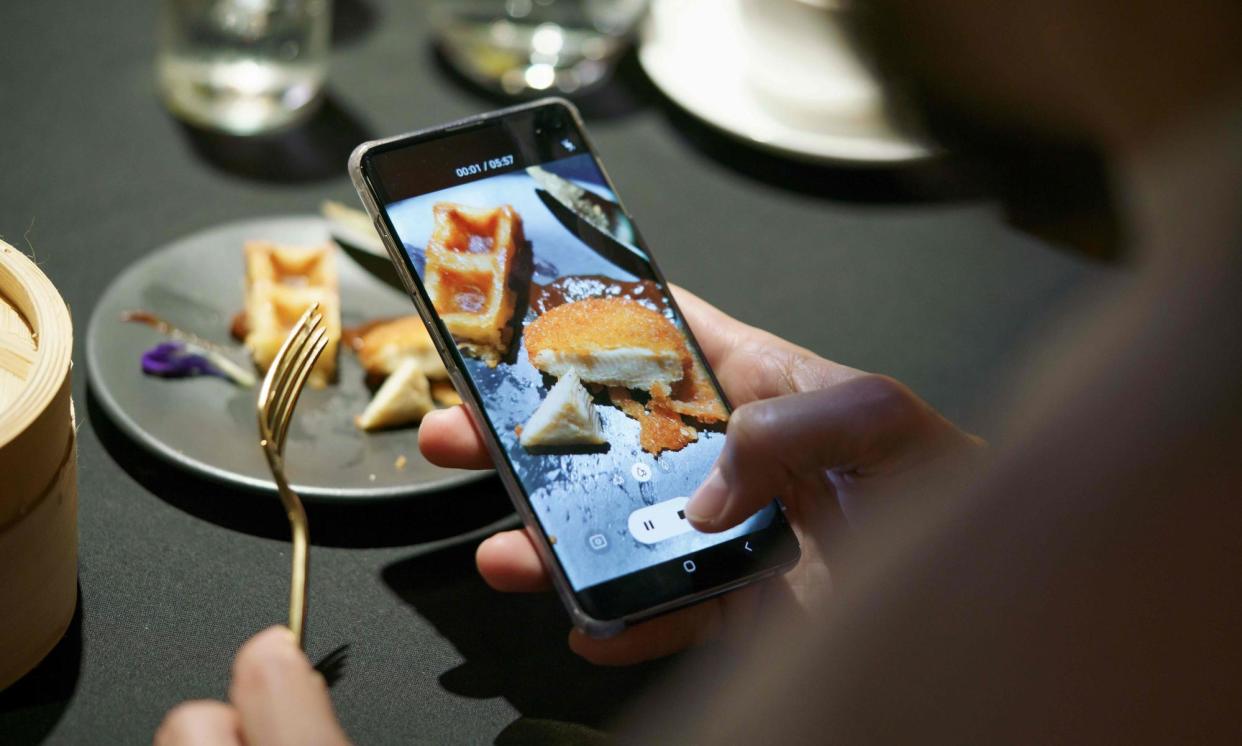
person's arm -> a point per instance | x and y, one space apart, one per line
1082 588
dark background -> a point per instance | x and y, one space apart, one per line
913 273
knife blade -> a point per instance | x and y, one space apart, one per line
596 221
353 232
601 213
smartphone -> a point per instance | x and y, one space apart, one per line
558 331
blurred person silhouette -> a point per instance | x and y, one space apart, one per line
1078 580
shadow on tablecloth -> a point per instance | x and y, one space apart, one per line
417 519
315 150
515 646
31 707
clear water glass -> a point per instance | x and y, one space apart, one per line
536 46
243 66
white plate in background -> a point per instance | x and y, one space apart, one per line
775 73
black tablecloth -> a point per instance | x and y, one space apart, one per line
903 272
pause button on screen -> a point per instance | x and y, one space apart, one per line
655 523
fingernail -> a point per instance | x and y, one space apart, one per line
709 500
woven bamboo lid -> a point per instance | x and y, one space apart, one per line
17 352
36 342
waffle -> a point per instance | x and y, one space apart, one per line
609 341
281 282
470 259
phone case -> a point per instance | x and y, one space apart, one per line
581 619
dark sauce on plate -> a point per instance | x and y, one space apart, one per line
572 288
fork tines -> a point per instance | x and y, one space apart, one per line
287 375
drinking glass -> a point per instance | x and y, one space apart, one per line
243 66
536 46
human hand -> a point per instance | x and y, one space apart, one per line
275 699
821 435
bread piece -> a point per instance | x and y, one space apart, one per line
566 417
403 399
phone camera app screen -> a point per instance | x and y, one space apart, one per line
581 362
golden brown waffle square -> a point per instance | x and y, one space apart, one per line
281 282
470 258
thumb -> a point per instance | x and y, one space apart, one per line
854 426
280 697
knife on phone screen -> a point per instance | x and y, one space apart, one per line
595 220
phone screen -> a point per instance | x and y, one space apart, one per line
581 362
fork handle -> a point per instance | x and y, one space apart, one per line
297 576
301 535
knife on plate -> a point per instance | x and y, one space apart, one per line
353 232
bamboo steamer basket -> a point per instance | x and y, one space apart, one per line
38 468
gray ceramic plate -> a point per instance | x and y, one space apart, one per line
207 425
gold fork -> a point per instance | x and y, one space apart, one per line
277 397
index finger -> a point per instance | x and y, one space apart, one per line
716 331
751 363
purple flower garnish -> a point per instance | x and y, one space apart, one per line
175 360
186 354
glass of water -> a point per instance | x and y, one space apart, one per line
536 46
243 66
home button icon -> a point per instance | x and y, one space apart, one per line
689 566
